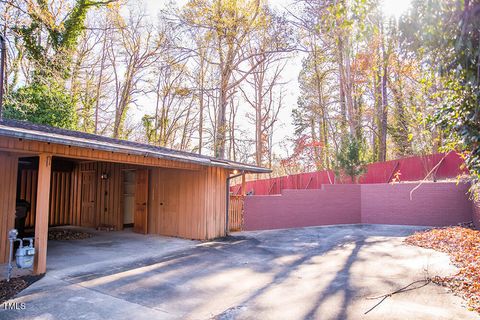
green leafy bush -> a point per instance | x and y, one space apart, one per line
350 158
42 104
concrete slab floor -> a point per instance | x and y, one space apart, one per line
305 273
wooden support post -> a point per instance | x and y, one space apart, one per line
42 210
244 192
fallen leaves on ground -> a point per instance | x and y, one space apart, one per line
463 246
67 235
9 289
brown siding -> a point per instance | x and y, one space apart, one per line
8 172
188 204
28 192
108 208
60 210
60 204
235 213
193 202
65 204
185 200
76 196
36 147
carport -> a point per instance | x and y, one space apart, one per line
80 179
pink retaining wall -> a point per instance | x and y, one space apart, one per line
433 204
334 204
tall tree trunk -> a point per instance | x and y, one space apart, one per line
383 112
258 80
316 150
341 71
321 108
156 125
200 117
221 117
100 80
184 140
348 90
201 101
119 122
382 155
232 147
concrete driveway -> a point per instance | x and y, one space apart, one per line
305 273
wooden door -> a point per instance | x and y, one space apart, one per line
89 190
128 180
141 201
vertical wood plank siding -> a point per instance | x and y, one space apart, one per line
8 172
65 195
235 213
185 200
108 207
187 204
58 150
60 196
181 203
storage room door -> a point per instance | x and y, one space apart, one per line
141 201
87 215
128 197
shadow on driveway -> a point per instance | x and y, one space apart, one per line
305 273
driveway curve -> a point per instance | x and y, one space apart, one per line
306 273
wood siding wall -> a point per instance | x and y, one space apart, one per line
65 201
182 203
187 204
235 213
60 196
184 199
27 147
108 199
28 192
8 172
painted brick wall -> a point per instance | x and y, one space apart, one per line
433 204
333 204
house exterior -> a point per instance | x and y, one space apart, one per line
75 178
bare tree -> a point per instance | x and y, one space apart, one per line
262 84
229 27
137 48
173 107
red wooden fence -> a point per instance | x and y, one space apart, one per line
416 168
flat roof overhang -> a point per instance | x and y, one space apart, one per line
31 132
